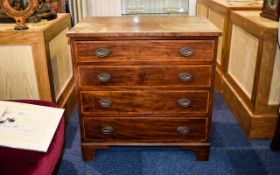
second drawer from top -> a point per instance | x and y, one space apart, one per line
102 77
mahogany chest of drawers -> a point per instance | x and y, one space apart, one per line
144 81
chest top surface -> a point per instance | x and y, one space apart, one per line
127 26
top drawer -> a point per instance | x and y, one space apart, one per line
145 50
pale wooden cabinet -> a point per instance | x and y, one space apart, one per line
251 82
218 12
36 63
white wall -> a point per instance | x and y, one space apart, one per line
192 7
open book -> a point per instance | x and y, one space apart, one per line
27 126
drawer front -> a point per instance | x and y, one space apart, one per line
193 76
144 129
145 102
145 50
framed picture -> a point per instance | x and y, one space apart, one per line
271 9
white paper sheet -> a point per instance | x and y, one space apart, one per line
26 126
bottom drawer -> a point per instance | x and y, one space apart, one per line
144 129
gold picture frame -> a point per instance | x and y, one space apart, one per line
271 9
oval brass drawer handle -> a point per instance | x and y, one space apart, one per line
104 77
186 52
183 102
182 130
105 103
102 52
107 130
185 77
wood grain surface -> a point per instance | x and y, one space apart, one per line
148 102
60 58
144 102
150 75
242 59
144 129
274 94
145 50
17 71
144 26
219 21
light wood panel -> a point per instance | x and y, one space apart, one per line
61 63
202 10
242 59
274 94
218 20
17 70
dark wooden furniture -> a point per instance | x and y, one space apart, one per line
275 143
144 81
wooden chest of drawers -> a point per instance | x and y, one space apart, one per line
144 81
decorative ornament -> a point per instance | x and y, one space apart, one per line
20 16
271 9
44 10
